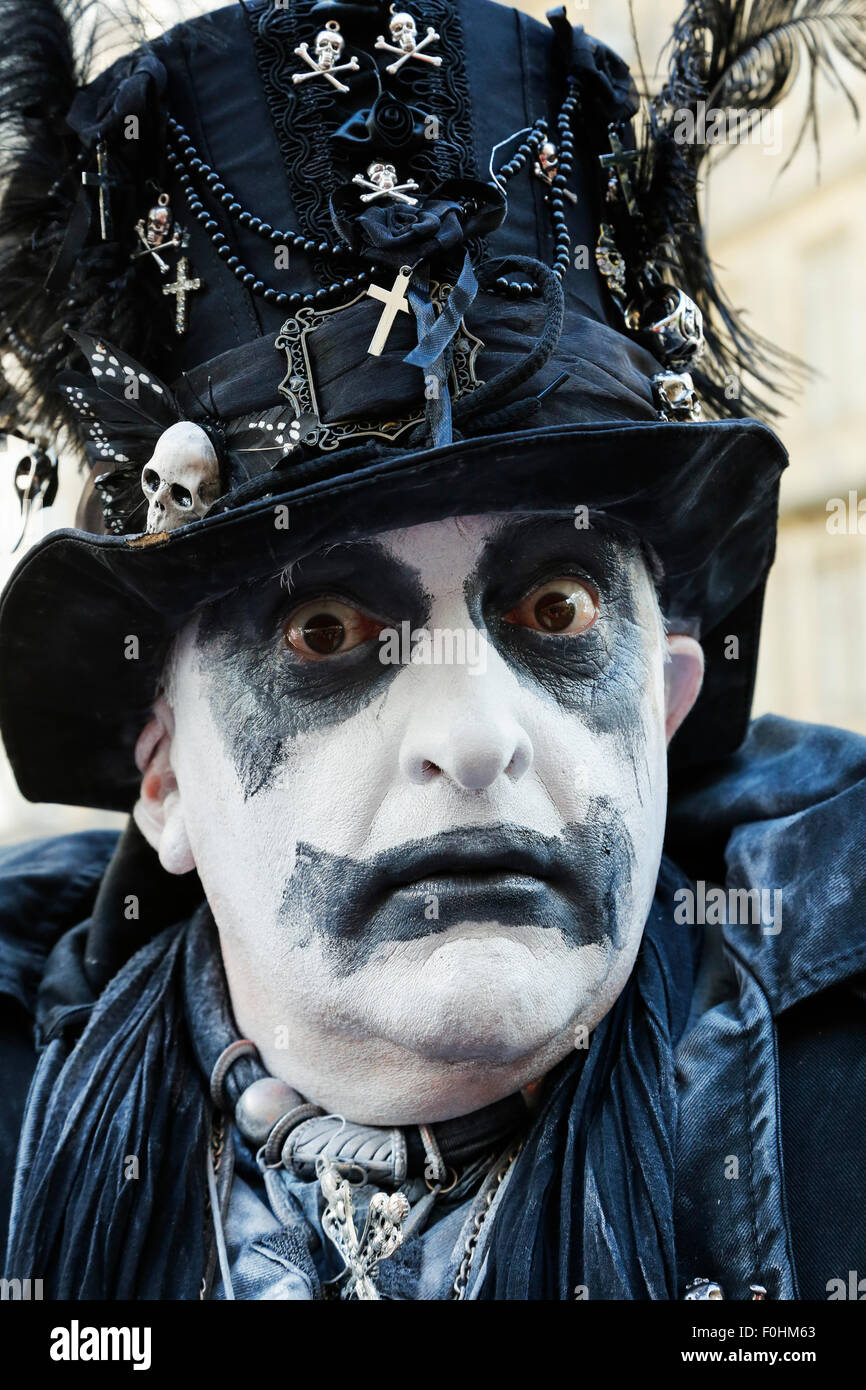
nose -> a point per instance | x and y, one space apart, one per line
466 730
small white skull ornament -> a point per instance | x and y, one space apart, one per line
181 479
329 46
404 31
382 175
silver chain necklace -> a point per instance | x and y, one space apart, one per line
458 1288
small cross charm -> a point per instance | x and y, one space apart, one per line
180 289
104 183
394 302
618 162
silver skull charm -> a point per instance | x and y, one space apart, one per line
181 478
381 182
404 42
324 61
676 397
329 45
404 31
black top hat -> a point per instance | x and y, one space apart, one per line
373 267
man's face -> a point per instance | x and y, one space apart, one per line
427 874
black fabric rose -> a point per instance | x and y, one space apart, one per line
606 84
389 125
394 233
131 87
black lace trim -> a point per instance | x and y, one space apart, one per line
305 116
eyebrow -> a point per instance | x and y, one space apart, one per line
367 567
518 540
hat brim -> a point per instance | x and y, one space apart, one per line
85 620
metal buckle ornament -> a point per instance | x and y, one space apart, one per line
673 324
299 387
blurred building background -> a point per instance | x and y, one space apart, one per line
790 248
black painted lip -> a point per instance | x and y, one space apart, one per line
474 854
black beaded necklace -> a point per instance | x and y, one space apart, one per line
196 176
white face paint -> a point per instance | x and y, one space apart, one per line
427 876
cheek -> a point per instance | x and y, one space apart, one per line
326 789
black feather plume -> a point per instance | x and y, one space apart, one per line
48 50
739 57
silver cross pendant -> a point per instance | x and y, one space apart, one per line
393 302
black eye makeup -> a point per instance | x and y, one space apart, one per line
565 607
327 627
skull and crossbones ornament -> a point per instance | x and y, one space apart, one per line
404 41
381 181
181 478
324 60
158 231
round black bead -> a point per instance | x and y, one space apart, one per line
347 284
245 219
223 252
255 223
282 298
502 283
324 248
233 262
249 278
308 298
310 245
234 208
264 227
226 198
211 224
320 295
258 287
335 287
270 295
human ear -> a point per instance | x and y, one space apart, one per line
158 812
684 672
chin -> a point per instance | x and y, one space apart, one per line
494 995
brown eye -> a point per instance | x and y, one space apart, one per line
328 627
565 607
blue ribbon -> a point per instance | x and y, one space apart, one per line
436 344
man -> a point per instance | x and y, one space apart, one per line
408 980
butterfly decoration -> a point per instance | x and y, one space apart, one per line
124 409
